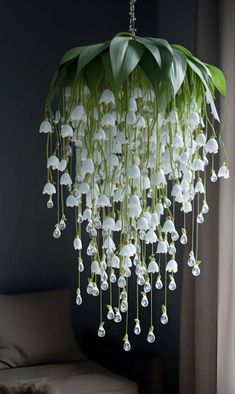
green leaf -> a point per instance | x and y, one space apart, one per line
162 43
151 70
183 49
153 49
218 79
125 54
105 58
161 85
178 69
196 68
71 55
94 72
89 53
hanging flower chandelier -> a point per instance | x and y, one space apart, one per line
130 127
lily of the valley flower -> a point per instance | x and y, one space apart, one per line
77 113
223 172
212 146
49 189
71 201
172 266
107 97
53 162
77 243
153 267
65 179
45 127
66 131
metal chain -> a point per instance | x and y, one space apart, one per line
132 28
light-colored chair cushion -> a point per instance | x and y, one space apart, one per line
36 328
84 377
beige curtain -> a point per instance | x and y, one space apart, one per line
207 356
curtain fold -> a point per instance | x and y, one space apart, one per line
208 305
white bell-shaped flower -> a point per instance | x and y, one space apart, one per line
126 250
103 201
137 93
160 178
109 244
146 182
65 179
193 120
45 127
177 141
176 190
107 97
100 135
198 165
118 225
133 201
199 188
87 167
142 224
184 157
71 201
78 113
109 224
212 146
172 266
150 237
155 219
162 247
130 118
168 226
53 162
160 209
62 165
95 268
84 187
115 262
153 267
134 172
186 207
108 120
87 214
49 189
135 211
223 172
132 106
77 243
141 124
201 140
66 131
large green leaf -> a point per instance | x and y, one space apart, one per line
94 72
196 68
89 53
151 70
218 79
178 69
71 55
162 43
105 58
153 49
183 49
161 85
125 54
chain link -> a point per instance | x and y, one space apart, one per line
132 28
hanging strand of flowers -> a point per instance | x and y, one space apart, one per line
131 135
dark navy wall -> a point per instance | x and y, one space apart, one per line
33 37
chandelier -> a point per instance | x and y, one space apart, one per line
131 130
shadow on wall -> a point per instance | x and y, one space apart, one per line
34 36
